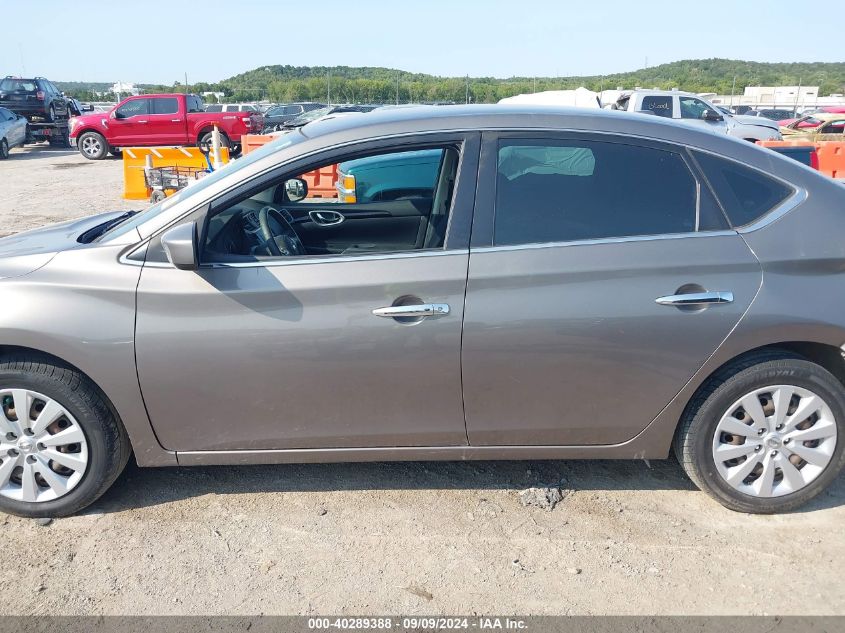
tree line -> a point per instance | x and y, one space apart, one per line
344 84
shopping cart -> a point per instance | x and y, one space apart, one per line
164 181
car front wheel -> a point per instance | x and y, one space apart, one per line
765 435
61 446
4 149
93 146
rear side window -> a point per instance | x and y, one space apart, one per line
745 194
661 106
560 191
165 105
194 104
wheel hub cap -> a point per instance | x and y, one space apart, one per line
796 428
43 449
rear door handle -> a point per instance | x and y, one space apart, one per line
419 310
140 121
696 299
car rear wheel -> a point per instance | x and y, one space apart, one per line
205 141
4 149
61 446
93 146
766 434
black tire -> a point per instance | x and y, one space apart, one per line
52 112
157 196
117 153
93 145
108 444
204 141
4 149
693 442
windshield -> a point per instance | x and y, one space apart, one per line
307 117
199 185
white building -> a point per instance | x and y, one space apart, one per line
787 97
123 88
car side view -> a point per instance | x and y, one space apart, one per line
566 284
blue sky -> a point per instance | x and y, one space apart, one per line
152 41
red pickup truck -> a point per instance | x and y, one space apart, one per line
164 119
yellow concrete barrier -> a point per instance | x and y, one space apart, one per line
135 158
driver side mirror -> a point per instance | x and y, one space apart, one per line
711 115
296 189
180 246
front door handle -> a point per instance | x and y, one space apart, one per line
413 311
696 299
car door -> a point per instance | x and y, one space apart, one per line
166 124
262 352
129 123
691 112
585 251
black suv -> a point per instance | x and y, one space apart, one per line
35 97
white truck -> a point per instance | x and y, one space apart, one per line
690 109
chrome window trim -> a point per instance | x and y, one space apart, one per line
604 240
298 261
319 259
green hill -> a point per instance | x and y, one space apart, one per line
380 85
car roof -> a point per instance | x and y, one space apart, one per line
391 121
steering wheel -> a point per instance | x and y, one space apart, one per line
279 237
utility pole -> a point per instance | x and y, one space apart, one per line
733 91
797 93
186 82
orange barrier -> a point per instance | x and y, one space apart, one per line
831 158
320 181
135 159
250 142
831 154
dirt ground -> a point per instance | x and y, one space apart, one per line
413 538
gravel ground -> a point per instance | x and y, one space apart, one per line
625 538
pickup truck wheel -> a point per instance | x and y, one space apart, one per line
205 142
4 149
93 146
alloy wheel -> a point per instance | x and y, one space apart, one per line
91 146
774 441
43 449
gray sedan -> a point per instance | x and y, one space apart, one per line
12 131
566 284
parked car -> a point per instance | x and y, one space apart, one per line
34 98
827 127
158 119
279 114
804 154
690 109
12 131
579 285
773 114
232 107
319 114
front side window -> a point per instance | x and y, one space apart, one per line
165 105
380 203
745 194
692 108
561 191
133 108
659 105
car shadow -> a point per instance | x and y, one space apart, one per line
40 151
143 487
